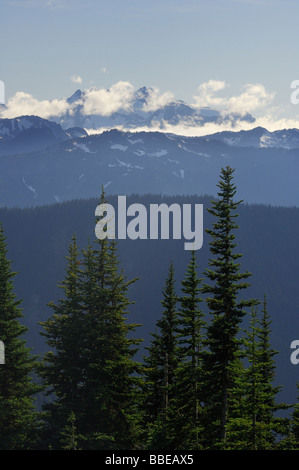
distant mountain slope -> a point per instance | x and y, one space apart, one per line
30 133
260 138
151 162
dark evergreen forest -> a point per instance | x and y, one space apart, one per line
180 374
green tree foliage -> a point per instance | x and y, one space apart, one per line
227 311
110 384
68 434
246 430
90 367
172 372
159 372
62 366
205 384
190 333
273 426
253 424
291 439
18 423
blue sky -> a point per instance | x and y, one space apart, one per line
52 47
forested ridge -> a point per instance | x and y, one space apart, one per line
203 379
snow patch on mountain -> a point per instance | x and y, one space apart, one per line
23 123
232 141
140 153
159 153
83 147
135 141
120 147
128 165
31 188
201 154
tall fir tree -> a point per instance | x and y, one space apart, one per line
91 370
110 382
253 424
18 420
191 326
62 367
159 372
273 425
226 309
244 429
291 439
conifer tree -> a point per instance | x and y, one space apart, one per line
62 367
244 429
273 425
191 326
110 382
295 422
291 439
18 424
68 435
91 368
253 424
227 311
159 371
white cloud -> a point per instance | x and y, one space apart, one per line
156 101
105 102
25 104
206 92
252 97
96 101
120 96
76 79
209 128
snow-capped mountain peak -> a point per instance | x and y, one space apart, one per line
129 109
75 97
29 133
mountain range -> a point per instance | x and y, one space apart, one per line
30 133
42 163
141 109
